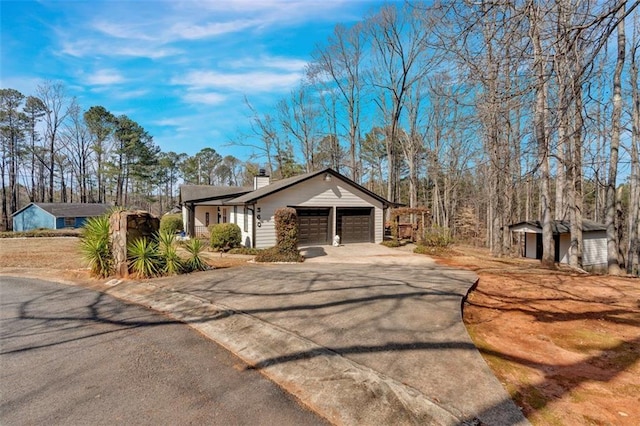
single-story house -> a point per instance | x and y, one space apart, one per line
594 241
56 215
327 204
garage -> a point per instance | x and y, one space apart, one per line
313 226
355 225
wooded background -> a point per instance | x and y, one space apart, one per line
487 113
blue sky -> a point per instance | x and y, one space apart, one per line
181 69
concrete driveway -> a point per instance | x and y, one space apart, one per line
361 334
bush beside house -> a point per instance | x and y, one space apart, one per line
171 223
225 236
286 248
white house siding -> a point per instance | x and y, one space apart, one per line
531 245
185 217
241 216
594 248
315 192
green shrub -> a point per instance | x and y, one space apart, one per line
391 243
225 236
286 248
171 223
95 246
195 262
286 221
144 258
35 233
437 236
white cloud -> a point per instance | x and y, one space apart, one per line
189 31
275 62
129 94
246 82
125 30
92 48
104 77
209 98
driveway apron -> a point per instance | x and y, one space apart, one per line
361 334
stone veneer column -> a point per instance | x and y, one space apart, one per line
124 227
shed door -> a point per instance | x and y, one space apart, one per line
313 226
355 225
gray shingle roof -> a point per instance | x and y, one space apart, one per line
285 183
564 226
71 209
209 192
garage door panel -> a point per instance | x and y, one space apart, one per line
313 226
356 228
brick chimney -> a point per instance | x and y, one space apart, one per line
261 180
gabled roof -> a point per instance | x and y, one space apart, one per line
70 209
563 226
279 185
193 193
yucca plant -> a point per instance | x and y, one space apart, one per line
171 263
165 239
195 261
144 258
95 247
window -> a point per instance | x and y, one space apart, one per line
224 215
246 219
206 219
235 214
69 222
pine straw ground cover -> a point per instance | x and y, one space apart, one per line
565 345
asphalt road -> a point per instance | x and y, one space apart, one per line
74 356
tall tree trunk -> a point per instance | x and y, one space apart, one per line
610 218
576 196
633 254
542 139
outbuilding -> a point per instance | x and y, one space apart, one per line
594 241
56 215
327 203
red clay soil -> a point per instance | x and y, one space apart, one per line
564 344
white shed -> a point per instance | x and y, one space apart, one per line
594 241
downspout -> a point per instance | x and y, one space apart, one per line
254 226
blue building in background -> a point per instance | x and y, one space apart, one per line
56 215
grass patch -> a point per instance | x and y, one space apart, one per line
432 250
43 233
586 341
245 250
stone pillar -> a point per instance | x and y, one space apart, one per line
124 227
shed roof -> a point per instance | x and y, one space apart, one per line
210 192
562 226
70 209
